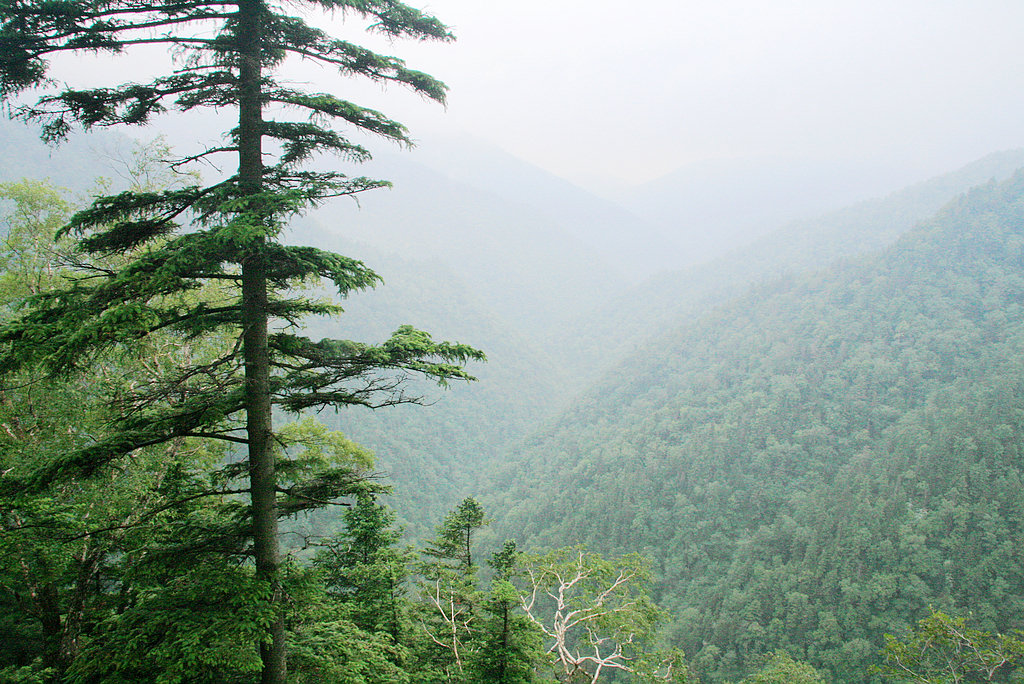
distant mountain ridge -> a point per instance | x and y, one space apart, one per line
513 256
631 244
669 299
716 206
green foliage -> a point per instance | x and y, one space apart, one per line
29 260
465 631
510 648
663 665
505 560
202 627
447 607
339 651
365 570
781 669
134 562
333 634
596 614
34 673
452 547
68 548
943 649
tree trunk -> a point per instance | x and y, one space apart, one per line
255 350
47 606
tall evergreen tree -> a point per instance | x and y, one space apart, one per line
510 646
448 594
366 569
453 546
227 54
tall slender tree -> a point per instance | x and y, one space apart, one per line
365 568
228 54
453 547
448 592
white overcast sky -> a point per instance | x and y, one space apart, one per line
603 94
594 90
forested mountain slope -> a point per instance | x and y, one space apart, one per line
436 455
633 317
433 454
813 464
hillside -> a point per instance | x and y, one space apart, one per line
643 312
815 463
433 454
76 164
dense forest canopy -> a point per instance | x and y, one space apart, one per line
814 464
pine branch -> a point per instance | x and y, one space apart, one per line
216 435
148 515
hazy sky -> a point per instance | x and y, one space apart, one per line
593 90
601 94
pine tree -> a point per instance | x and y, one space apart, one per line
510 646
448 594
453 546
227 232
367 569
